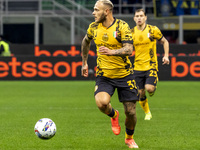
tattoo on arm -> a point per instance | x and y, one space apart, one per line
85 48
127 49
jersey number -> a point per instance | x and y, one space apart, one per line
153 73
132 84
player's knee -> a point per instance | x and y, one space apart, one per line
130 112
101 102
150 89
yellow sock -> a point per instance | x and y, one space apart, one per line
115 115
145 106
128 136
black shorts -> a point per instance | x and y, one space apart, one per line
126 87
146 77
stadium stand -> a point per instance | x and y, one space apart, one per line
67 20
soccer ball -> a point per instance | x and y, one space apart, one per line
45 128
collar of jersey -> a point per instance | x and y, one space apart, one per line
111 24
143 29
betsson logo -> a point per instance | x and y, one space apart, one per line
193 68
42 69
46 69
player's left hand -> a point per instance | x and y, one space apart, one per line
105 51
165 60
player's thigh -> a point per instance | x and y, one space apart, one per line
103 90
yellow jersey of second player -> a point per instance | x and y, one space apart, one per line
144 42
112 37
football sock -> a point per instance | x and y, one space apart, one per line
129 134
144 104
113 114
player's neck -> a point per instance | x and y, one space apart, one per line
141 27
108 22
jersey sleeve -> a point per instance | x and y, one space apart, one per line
157 33
90 31
126 35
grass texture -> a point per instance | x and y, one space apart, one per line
81 126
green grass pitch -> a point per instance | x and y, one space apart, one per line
81 126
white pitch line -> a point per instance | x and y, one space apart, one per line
87 108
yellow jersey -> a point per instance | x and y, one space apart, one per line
112 37
6 48
144 43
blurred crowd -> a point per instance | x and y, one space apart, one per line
131 1
129 6
126 6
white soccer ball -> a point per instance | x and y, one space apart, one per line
45 128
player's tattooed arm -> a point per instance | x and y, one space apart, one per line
84 51
85 48
126 50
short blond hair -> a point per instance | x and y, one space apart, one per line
108 3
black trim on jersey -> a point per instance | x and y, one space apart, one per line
144 27
89 37
93 26
112 23
100 72
130 42
150 31
118 38
160 38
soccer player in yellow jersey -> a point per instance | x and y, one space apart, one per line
113 41
145 37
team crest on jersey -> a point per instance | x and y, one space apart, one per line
105 37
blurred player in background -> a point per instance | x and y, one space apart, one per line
4 47
145 37
113 40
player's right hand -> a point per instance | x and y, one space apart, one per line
105 51
165 60
84 70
